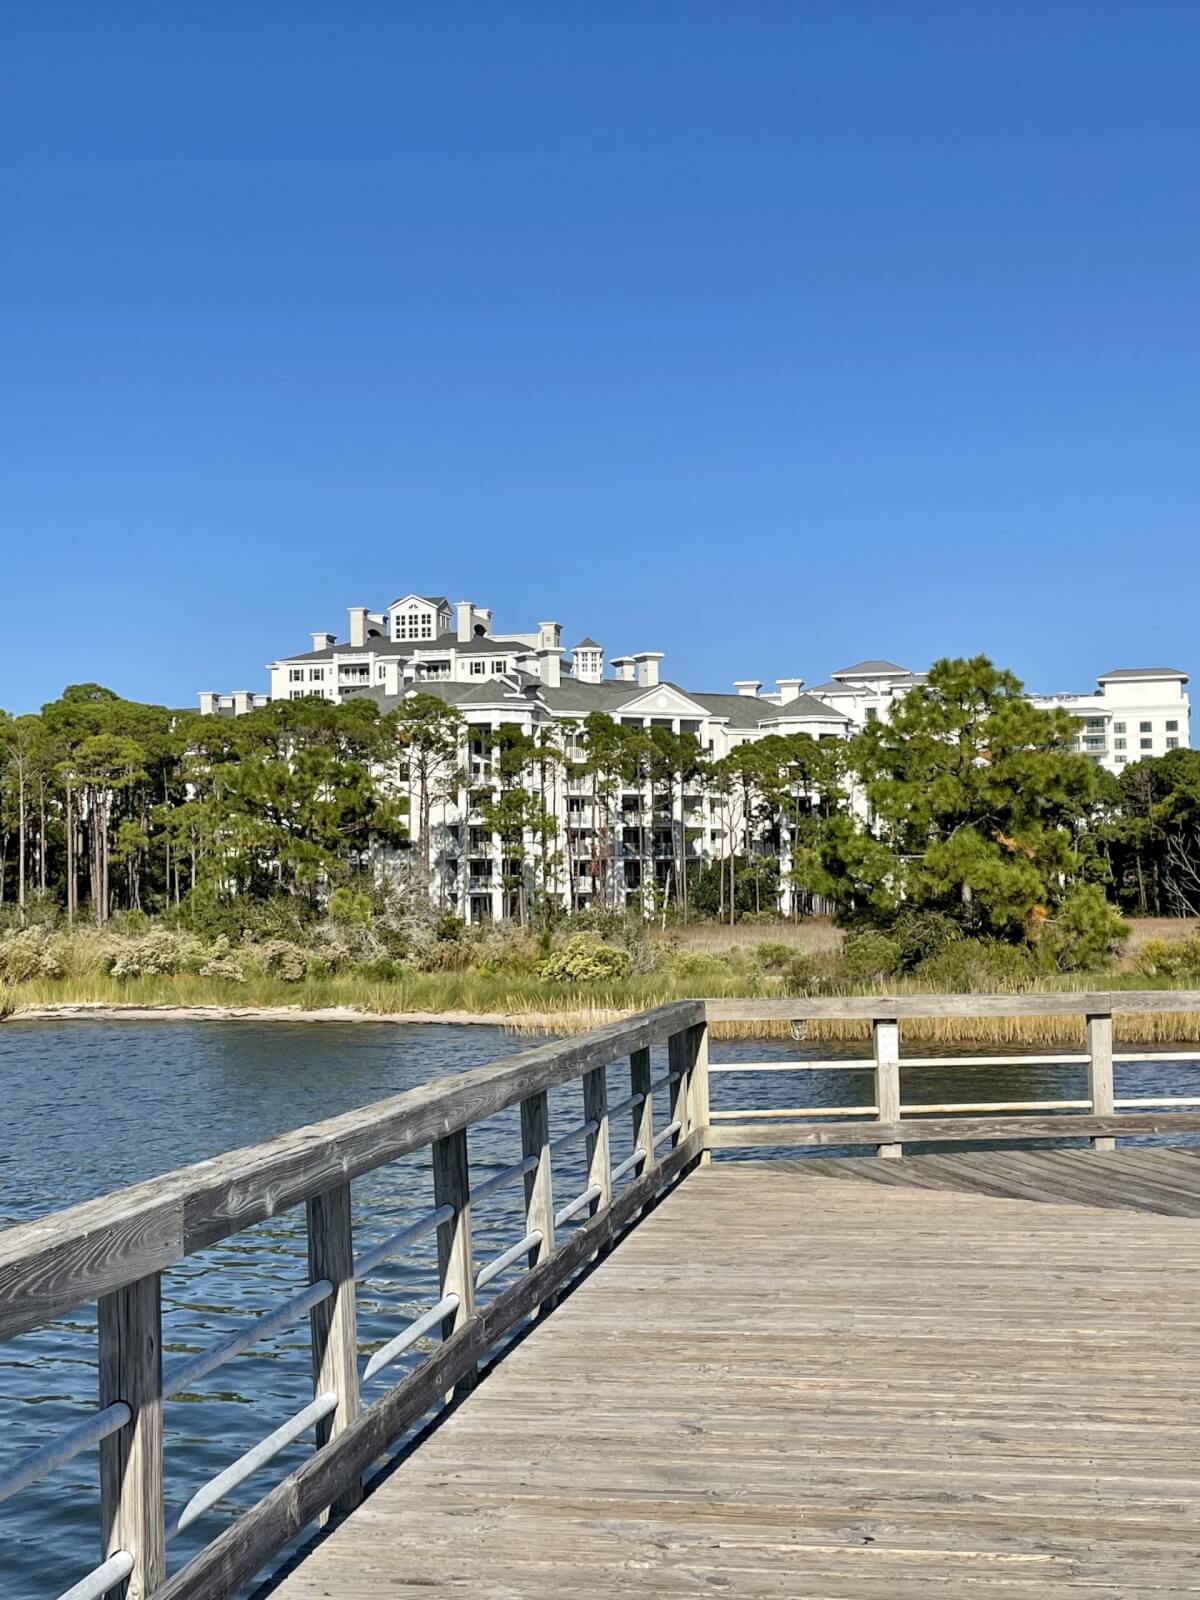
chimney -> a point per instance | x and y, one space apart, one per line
789 689
241 702
550 665
358 626
624 670
392 677
747 687
208 703
464 616
549 635
324 641
647 667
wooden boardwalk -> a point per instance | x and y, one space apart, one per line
856 1380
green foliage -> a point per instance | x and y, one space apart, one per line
584 960
1175 959
1085 933
869 956
921 935
30 953
978 966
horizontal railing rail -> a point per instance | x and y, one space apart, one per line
888 1121
114 1251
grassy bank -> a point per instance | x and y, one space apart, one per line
530 1004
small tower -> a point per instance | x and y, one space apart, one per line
587 661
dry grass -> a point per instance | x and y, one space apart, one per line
1171 930
810 936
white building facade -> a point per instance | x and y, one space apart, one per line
615 847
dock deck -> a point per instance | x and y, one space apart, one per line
845 1380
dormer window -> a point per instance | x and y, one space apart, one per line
415 622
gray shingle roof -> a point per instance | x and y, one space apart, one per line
873 669
587 644
1143 672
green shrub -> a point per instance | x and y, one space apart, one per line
31 953
584 960
159 953
978 966
283 960
869 955
922 935
1159 958
1085 933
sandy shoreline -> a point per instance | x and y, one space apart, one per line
91 1010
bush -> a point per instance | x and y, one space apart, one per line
283 960
978 966
922 935
228 967
159 953
31 953
1159 959
867 956
1085 933
584 960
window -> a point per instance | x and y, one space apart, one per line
872 714
1095 724
296 675
1145 727
1093 743
296 694
1121 760
1145 744
1172 744
1118 727
477 669
316 674
415 623
1172 726
1118 744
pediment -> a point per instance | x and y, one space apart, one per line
663 700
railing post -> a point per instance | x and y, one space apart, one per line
539 1188
643 1115
131 1461
599 1157
334 1322
698 1111
456 1258
1100 1072
886 1037
682 1048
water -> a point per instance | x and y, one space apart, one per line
91 1106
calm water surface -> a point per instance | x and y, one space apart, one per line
91 1106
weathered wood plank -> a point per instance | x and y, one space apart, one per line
869 1007
1100 1072
916 1130
885 1033
539 1184
52 1265
334 1322
132 1515
599 1145
242 1550
456 1254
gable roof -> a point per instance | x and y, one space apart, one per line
439 601
587 644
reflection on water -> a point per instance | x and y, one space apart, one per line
91 1106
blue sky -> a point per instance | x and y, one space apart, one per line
769 335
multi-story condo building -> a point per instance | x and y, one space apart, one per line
617 845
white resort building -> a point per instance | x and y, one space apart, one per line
526 680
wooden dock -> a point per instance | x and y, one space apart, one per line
857 1379
837 1378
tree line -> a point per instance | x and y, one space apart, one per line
967 801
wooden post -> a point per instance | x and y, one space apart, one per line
456 1258
681 1056
1100 1073
886 1036
131 1460
539 1189
643 1115
599 1157
334 1323
698 1111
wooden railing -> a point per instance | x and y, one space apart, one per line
888 1122
114 1251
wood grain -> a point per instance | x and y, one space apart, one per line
50 1266
131 1482
919 1130
334 1322
783 1384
